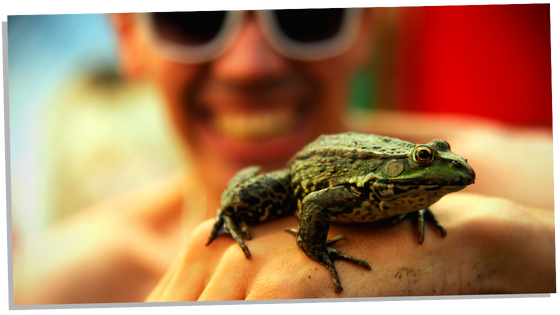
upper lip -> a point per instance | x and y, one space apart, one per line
255 93
249 104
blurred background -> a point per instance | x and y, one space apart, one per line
79 133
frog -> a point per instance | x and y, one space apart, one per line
347 178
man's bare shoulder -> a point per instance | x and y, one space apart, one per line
128 239
144 205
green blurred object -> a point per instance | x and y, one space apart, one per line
375 86
363 95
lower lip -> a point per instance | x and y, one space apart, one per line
256 152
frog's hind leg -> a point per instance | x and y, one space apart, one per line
313 226
225 225
421 216
224 222
252 198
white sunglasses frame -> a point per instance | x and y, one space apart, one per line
331 47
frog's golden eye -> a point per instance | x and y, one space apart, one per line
423 155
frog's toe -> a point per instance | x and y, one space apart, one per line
324 257
211 239
428 215
217 231
399 218
244 229
245 249
328 255
421 217
292 231
235 232
336 254
335 239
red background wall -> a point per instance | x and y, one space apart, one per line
488 60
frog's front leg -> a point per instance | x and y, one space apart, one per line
313 226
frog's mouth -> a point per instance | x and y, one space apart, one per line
402 190
404 186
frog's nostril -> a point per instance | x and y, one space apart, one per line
456 163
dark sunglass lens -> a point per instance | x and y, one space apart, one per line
192 28
310 25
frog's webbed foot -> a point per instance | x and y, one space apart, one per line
422 216
226 222
326 255
252 197
336 254
225 225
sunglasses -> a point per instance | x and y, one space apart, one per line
302 34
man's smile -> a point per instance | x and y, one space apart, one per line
254 121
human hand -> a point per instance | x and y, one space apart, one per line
492 246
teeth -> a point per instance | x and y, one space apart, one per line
254 126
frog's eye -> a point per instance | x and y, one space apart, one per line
423 155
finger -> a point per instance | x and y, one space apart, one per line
170 274
187 276
230 279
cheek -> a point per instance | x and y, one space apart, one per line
174 79
332 77
175 82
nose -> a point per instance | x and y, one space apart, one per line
250 57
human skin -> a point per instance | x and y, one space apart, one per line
493 246
508 241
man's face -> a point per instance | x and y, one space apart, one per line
252 105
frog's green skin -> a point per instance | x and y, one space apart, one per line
348 177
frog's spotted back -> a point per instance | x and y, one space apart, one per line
364 146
